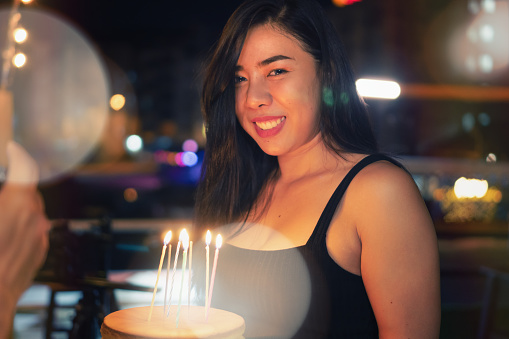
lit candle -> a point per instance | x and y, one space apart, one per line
219 242
208 239
174 270
166 241
185 246
190 274
167 270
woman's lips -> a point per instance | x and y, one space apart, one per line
268 126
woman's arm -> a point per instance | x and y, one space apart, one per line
399 258
23 233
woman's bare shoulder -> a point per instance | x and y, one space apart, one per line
383 179
386 195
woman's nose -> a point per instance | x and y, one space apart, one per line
258 94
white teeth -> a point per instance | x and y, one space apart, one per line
265 125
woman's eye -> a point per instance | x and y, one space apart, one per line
277 72
239 79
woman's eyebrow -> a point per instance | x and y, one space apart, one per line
267 61
273 59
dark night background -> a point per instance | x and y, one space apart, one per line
154 52
161 46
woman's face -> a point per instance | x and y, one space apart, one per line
277 91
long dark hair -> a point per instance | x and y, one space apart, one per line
235 169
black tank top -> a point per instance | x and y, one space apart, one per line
299 292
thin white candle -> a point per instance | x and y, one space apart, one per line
219 242
166 241
208 239
167 270
174 270
190 274
185 246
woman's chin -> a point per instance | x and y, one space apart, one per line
271 150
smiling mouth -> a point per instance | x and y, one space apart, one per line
266 125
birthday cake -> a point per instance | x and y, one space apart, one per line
133 323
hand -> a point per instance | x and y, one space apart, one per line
23 231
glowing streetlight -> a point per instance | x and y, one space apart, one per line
470 188
381 89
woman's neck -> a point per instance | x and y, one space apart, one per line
311 159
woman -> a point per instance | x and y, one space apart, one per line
291 166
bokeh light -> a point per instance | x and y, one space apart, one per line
171 158
486 63
190 145
189 159
130 195
133 143
491 157
470 188
469 200
473 6
487 33
341 3
489 6
382 89
479 46
20 35
290 303
178 159
117 102
19 60
484 119
468 122
470 63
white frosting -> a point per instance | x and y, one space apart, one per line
133 323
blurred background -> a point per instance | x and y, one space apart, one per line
447 122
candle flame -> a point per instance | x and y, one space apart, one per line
208 238
184 238
219 241
167 238
181 236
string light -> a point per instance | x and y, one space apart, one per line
15 34
19 60
20 35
